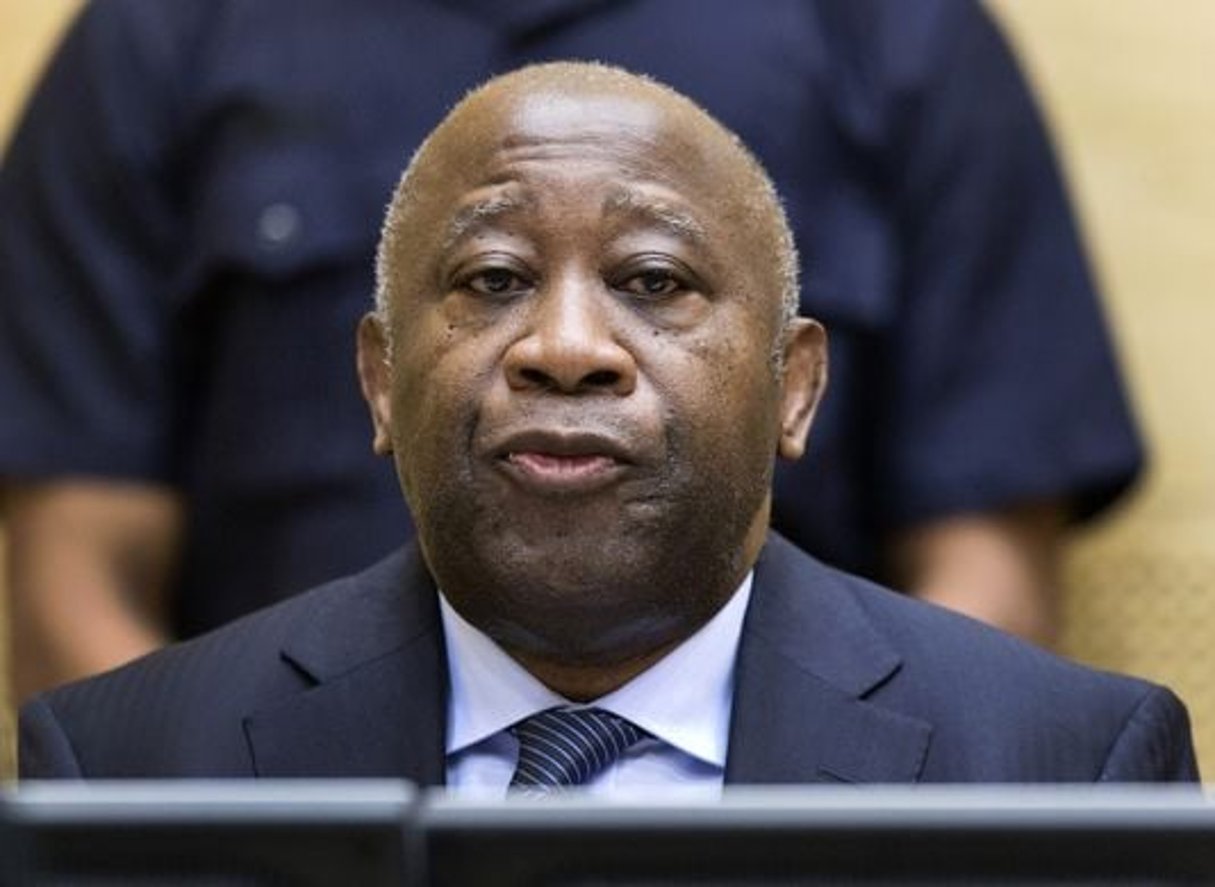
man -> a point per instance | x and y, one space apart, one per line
187 219
584 357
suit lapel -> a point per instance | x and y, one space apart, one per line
375 700
374 669
808 658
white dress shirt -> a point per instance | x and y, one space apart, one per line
683 701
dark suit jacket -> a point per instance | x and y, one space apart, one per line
837 680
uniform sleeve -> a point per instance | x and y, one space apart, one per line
1002 384
87 234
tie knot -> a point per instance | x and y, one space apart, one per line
569 746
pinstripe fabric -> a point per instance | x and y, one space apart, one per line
567 746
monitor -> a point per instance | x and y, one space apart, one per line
214 833
380 833
14 868
854 835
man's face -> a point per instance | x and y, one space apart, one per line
581 398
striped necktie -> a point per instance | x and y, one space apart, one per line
567 746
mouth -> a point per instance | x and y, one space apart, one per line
562 463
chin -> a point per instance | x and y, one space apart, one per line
598 601
597 583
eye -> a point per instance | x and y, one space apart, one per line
652 283
494 282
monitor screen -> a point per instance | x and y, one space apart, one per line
829 836
380 833
214 833
14 867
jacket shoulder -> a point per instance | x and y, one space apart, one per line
1006 710
180 710
1000 709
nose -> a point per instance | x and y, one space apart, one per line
569 346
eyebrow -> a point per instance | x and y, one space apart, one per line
475 215
655 209
630 201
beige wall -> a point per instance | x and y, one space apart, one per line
1130 87
27 28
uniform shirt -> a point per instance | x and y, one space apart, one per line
682 701
189 210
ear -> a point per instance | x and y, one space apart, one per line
805 378
375 379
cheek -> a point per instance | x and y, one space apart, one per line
437 383
736 364
722 400
436 357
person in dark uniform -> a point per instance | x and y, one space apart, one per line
193 177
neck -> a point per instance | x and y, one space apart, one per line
584 683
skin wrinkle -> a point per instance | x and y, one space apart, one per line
586 587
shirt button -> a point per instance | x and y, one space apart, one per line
278 225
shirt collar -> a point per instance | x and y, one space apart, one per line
684 699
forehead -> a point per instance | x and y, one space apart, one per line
630 152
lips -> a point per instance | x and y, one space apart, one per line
562 462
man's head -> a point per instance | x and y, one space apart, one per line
584 361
